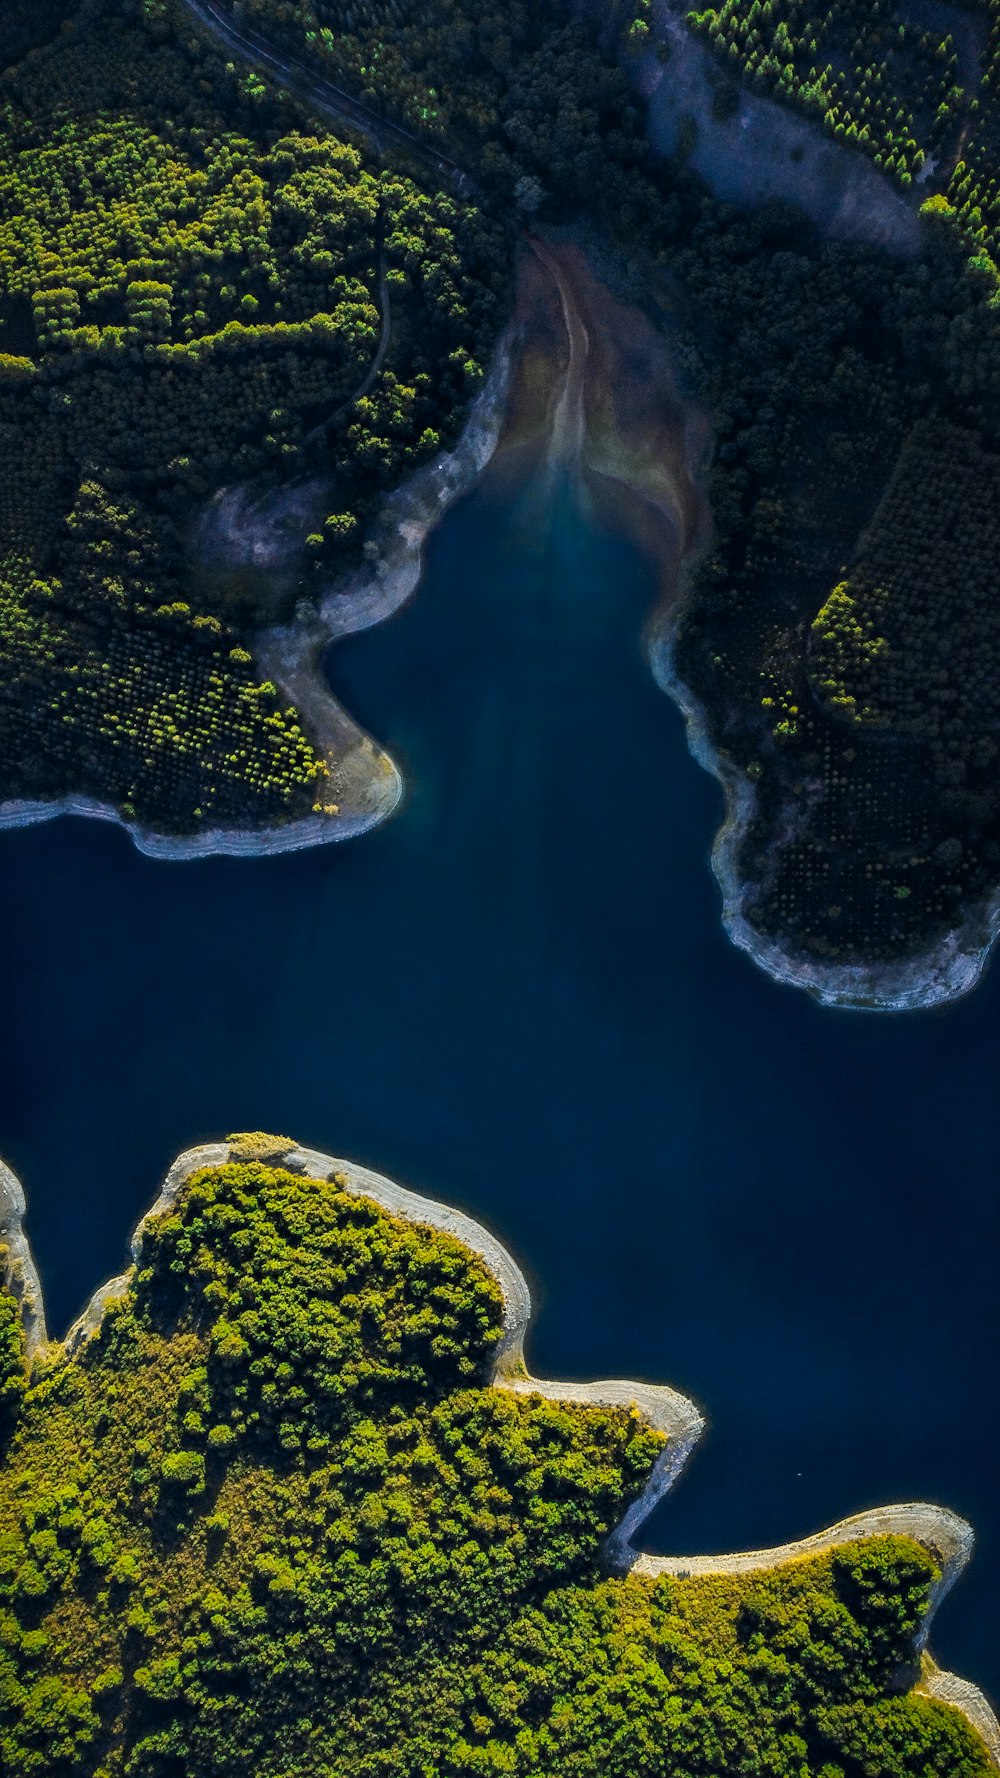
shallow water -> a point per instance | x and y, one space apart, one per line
517 995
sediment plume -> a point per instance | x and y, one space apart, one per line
594 397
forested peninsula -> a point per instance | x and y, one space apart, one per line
286 1500
246 293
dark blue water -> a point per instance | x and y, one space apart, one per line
517 995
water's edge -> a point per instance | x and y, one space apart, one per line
365 785
364 782
947 1538
18 1263
943 972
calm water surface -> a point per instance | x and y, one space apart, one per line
517 995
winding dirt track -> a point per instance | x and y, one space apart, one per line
327 99
367 382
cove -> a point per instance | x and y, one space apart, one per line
517 996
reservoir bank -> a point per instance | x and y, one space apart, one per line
516 994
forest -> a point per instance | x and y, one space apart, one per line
915 86
27 23
841 629
272 1517
192 277
189 284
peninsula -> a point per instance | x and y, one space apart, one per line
254 270
287 1497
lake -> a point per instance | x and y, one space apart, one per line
517 995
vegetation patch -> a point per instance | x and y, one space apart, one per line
272 1517
195 284
883 79
189 282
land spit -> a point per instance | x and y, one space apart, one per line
944 971
364 785
582 385
947 1538
593 395
17 1262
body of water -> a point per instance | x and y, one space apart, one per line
517 995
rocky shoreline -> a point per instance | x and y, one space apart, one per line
934 977
364 785
650 481
666 1409
948 1538
639 449
961 1694
18 1265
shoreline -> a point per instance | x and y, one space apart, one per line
937 976
361 773
365 784
658 498
666 1409
20 1272
648 482
947 1538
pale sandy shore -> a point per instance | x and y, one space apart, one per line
667 1410
949 1688
943 972
364 784
17 1265
625 431
948 1538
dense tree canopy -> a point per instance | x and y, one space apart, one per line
272 1518
189 282
915 87
194 284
